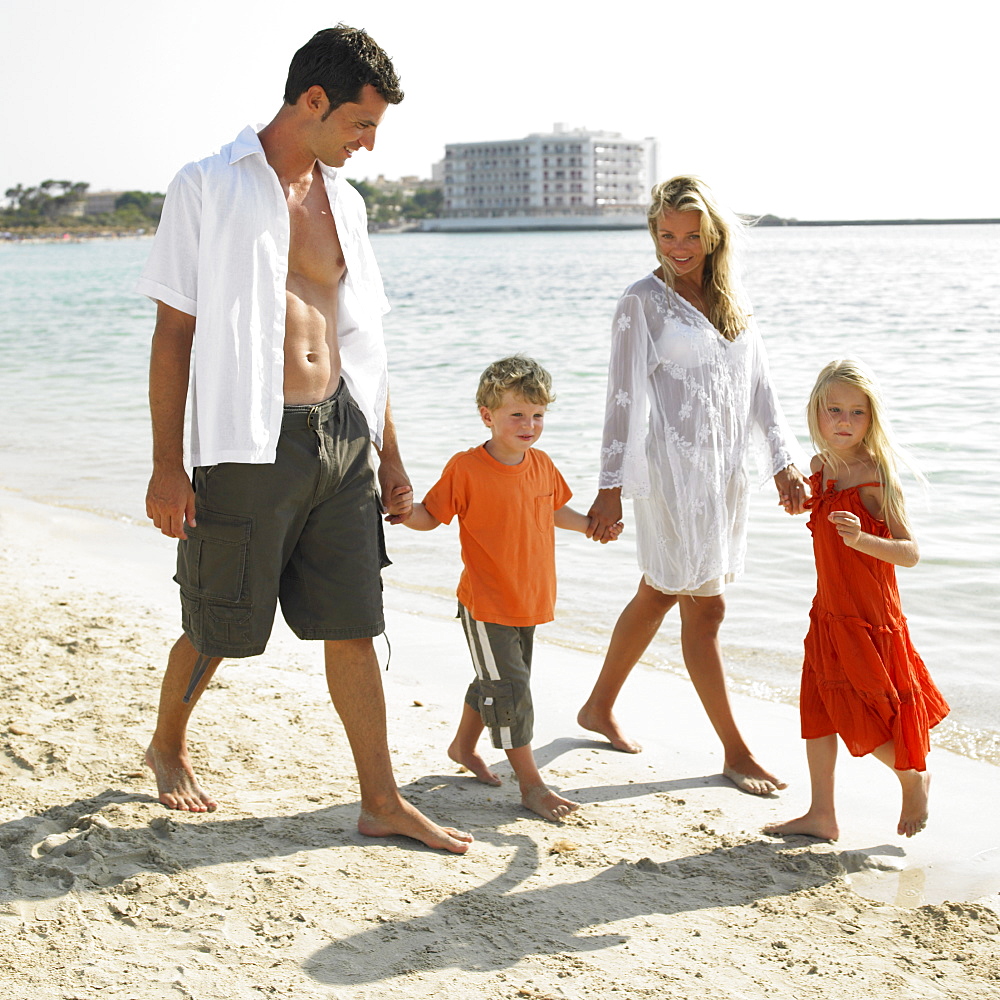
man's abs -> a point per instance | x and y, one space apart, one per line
312 354
315 269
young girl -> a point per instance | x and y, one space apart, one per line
862 678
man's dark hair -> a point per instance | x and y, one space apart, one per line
342 60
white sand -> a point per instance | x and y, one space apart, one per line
660 886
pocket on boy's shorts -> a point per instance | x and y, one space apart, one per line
496 703
544 514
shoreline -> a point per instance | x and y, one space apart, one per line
660 872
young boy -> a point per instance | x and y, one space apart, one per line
507 498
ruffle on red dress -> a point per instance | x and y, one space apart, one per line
861 677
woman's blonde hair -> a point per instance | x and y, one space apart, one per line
721 231
878 440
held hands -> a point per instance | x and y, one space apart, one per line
399 505
613 533
848 527
605 516
791 490
170 502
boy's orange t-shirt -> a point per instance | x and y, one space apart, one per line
506 528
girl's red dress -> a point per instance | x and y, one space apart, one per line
861 677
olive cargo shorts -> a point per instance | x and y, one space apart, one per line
501 692
306 530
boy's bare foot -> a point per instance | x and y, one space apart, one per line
405 820
546 803
176 782
811 825
748 776
913 817
607 726
472 761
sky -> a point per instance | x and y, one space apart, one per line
880 109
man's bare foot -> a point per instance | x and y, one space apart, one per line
404 820
913 818
546 803
176 782
748 776
812 824
607 726
472 761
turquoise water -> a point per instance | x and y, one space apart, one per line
919 304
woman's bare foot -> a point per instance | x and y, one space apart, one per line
546 803
405 820
607 726
748 776
812 824
473 762
176 782
916 786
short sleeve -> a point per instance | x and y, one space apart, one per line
171 272
446 499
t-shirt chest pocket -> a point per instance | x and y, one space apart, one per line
544 512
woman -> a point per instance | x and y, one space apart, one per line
686 352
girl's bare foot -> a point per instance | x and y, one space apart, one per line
546 803
176 782
812 824
472 761
913 817
607 726
748 776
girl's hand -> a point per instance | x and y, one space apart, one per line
848 527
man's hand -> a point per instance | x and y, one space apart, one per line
397 493
170 502
399 505
605 515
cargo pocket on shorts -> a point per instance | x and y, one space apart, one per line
213 561
496 703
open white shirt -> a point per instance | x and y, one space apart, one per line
221 255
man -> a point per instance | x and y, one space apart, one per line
263 274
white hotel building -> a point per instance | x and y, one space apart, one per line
564 179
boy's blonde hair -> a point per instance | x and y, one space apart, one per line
878 440
523 376
721 231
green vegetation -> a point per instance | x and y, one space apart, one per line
67 206
54 207
389 204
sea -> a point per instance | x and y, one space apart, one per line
919 304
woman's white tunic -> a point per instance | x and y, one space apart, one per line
683 404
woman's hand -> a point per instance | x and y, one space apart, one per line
605 515
791 490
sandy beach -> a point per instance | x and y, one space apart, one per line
660 886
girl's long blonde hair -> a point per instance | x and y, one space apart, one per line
721 231
879 441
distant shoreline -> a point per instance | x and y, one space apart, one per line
770 220
86 235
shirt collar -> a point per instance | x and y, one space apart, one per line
246 144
